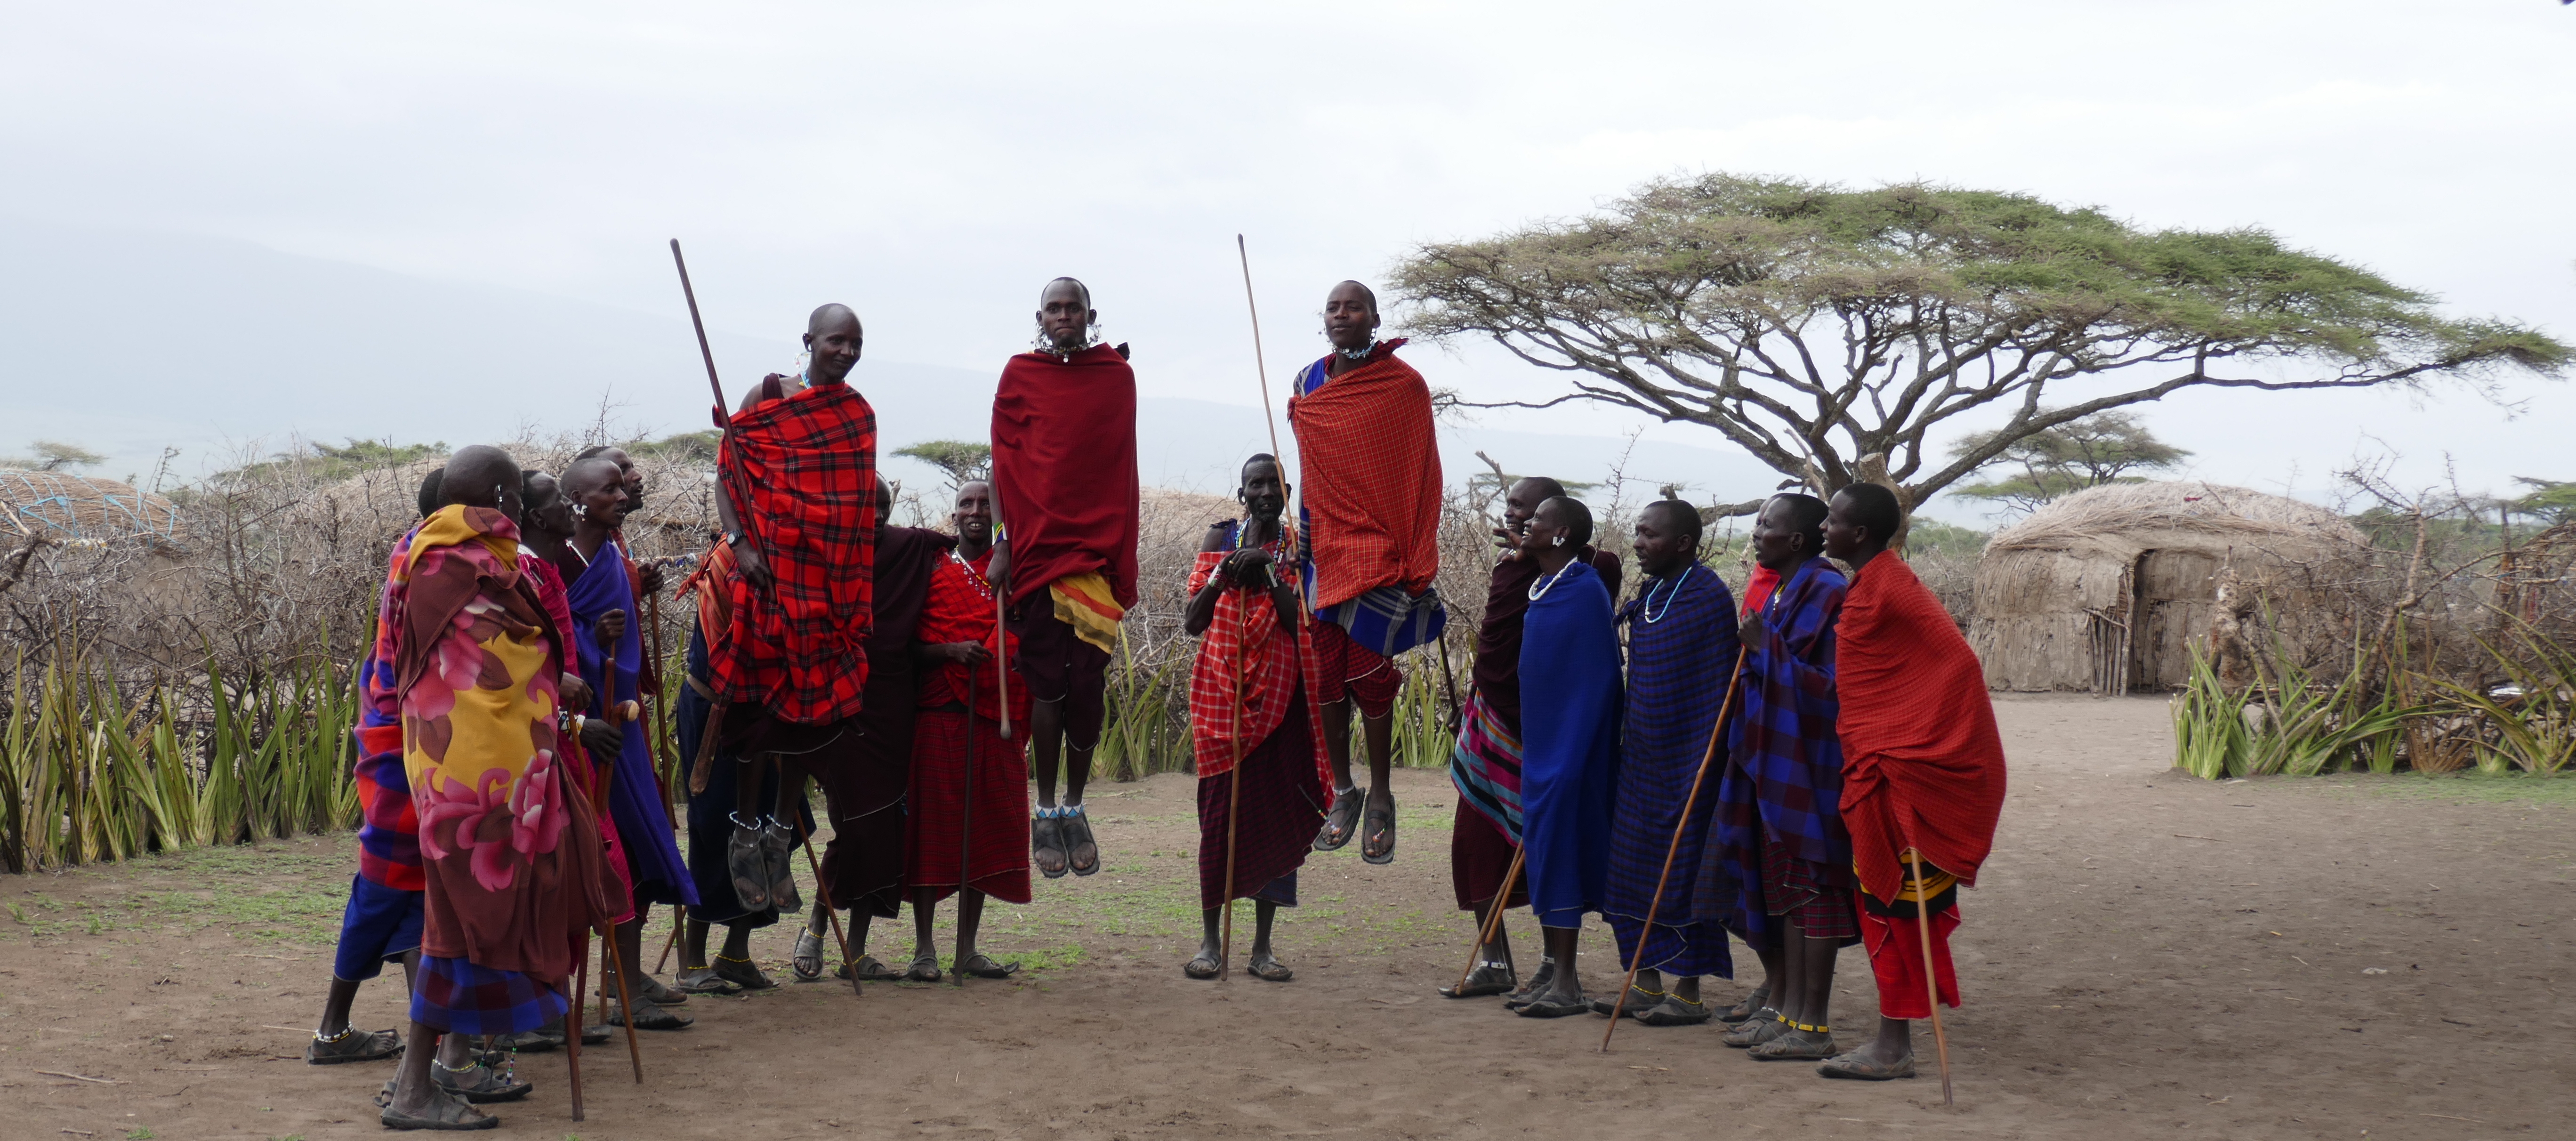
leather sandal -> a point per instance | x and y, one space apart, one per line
1341 821
1674 1011
1753 1004
984 966
445 1112
353 1045
479 1083
1756 1030
1046 844
1489 978
809 949
1376 824
747 865
924 969
1640 1000
778 848
1077 832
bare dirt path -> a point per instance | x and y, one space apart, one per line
2149 955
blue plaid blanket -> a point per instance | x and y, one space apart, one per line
1784 765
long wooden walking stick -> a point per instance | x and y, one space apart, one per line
1493 917
821 896
966 814
724 424
657 715
1716 733
1931 982
607 932
572 1019
679 919
1233 816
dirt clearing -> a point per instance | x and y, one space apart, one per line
2148 955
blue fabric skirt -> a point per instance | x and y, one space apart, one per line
458 997
381 924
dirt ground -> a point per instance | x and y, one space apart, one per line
2148 955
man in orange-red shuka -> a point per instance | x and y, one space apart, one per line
1371 512
1923 772
1064 477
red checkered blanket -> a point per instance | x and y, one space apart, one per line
801 474
1371 479
1245 653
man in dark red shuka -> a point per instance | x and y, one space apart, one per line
1372 520
799 510
1923 771
1064 470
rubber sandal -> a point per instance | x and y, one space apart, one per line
743 974
493 1084
650 1017
1857 1068
747 864
984 966
924 969
353 1045
1077 832
445 1113
778 846
660 994
1554 1009
705 980
1488 978
1675 1011
1537 984
1370 817
871 970
1797 1046
1046 838
1753 1004
1269 969
1201 968
1341 822
809 949
1639 999
598 1035
1762 1027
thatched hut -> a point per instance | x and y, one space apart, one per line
74 510
2108 589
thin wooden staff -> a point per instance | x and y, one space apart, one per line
1001 625
679 919
724 424
1716 733
1233 804
618 714
822 896
1288 535
1931 982
572 1018
966 813
657 713
1493 917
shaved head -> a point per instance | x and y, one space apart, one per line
1075 284
1570 514
1365 293
586 476
829 317
1540 487
480 475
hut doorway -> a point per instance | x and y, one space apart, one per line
2173 591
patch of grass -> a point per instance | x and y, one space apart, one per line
279 892
2466 785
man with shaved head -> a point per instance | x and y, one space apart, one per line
606 637
1371 507
1682 645
1485 764
1064 478
797 562
509 849
1777 867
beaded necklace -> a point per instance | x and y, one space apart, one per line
1540 591
973 577
1676 584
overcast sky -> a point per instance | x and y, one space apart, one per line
931 165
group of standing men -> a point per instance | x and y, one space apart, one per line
512 807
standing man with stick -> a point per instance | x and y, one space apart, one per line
970 784
1253 731
477 662
1681 655
1371 526
1064 471
1485 764
1923 777
1777 869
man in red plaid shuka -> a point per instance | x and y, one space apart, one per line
1251 722
799 511
1371 517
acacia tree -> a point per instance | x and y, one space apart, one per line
2104 447
1828 331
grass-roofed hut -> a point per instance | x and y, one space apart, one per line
2108 589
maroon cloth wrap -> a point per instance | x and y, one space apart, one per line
1064 468
866 771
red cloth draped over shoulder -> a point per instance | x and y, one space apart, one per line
1064 467
960 609
1370 469
1922 762
801 474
